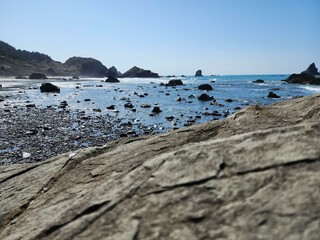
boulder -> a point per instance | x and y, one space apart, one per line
174 82
49 87
273 95
253 175
205 97
311 70
302 78
198 73
156 110
112 79
37 76
205 87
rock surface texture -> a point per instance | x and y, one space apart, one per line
254 175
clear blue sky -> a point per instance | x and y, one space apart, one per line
170 36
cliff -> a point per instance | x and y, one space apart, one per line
254 175
15 62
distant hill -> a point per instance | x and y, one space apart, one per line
15 62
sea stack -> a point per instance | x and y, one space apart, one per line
198 73
312 70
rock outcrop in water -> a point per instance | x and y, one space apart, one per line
302 78
305 77
136 72
198 73
49 87
312 70
253 175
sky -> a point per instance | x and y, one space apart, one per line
170 36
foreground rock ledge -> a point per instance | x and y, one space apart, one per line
255 175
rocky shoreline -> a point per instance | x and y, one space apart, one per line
30 134
253 175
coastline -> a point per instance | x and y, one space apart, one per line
257 169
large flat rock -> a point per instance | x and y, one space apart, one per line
255 175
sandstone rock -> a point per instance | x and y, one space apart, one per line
49 87
205 87
37 76
198 73
253 175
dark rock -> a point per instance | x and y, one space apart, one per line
311 70
174 82
111 107
205 97
198 73
179 99
228 100
156 110
205 87
136 72
38 76
87 66
30 105
75 77
87 100
128 105
258 81
183 75
302 78
273 95
191 96
112 79
49 87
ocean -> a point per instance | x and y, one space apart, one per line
93 96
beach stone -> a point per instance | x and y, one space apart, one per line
228 100
205 97
145 105
49 87
198 73
206 87
272 95
128 105
156 110
111 107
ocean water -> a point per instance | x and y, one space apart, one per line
239 88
